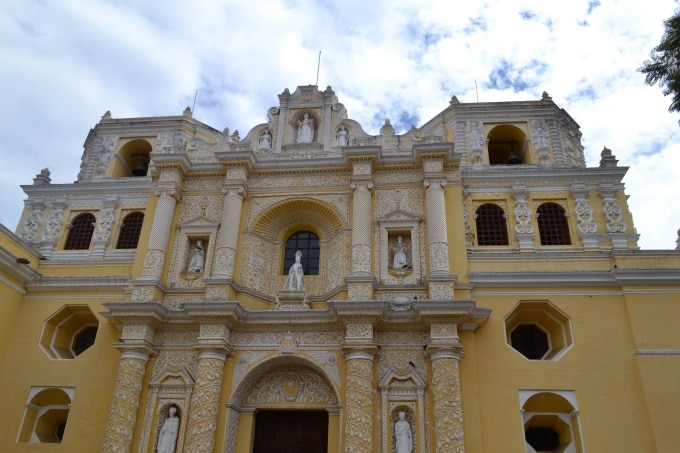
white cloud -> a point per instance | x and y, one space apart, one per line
66 63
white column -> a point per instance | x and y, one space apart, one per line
436 227
227 240
361 228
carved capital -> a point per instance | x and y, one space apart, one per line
361 186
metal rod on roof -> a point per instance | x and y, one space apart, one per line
318 65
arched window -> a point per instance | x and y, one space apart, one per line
130 231
80 233
491 226
45 415
308 243
552 225
550 421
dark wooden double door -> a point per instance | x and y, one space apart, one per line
291 432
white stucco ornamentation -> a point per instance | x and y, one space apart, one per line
123 412
523 216
30 231
359 406
584 214
54 222
614 214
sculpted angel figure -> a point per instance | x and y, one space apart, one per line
305 132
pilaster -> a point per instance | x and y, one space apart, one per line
360 351
213 346
136 347
360 283
219 285
524 229
168 191
445 352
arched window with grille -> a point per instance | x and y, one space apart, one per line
130 230
553 227
492 228
307 243
80 232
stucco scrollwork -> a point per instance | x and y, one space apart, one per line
614 214
523 216
53 225
31 225
291 384
104 225
448 412
174 360
584 213
123 412
359 407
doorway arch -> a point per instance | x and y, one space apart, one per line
290 383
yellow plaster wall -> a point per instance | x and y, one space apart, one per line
599 367
92 374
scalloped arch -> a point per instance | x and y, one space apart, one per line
276 221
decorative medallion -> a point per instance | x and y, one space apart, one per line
291 385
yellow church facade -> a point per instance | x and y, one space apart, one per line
469 285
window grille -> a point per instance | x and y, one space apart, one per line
552 225
308 243
130 231
80 233
491 226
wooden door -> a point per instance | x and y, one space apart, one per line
291 432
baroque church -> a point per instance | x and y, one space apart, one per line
469 285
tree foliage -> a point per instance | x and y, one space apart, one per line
663 68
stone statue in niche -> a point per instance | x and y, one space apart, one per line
403 436
265 141
305 133
167 438
342 137
400 259
295 275
197 262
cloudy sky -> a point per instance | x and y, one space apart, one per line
66 62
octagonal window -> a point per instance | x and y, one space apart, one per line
530 340
69 332
542 438
538 330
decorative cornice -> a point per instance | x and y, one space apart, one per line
79 284
615 277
